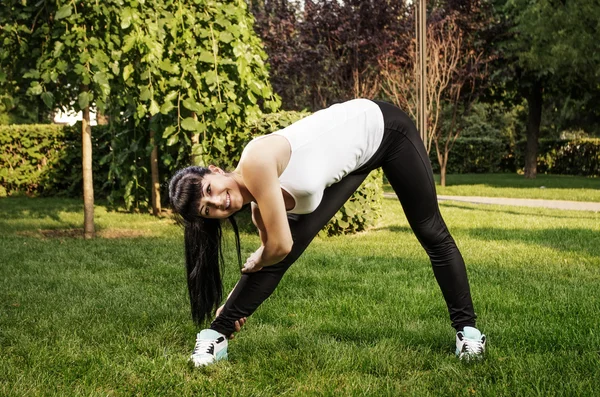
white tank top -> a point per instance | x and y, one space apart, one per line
328 145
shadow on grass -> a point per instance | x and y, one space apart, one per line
362 336
37 208
519 181
513 211
573 240
26 217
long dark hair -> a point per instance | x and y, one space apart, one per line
203 243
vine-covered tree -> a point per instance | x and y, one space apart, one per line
19 51
71 69
177 78
193 80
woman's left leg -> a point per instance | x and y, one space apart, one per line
254 288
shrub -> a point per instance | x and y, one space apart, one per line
28 151
45 159
476 155
564 156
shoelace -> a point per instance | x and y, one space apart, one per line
202 346
473 347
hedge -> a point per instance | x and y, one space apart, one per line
566 157
28 153
476 155
46 160
555 156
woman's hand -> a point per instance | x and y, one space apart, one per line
252 264
238 324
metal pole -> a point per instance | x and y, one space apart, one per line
423 68
418 65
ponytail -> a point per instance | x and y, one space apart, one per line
203 244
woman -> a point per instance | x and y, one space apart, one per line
296 179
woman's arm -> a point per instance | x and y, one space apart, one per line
262 180
258 222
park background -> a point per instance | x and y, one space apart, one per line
512 111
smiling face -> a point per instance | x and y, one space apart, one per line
221 195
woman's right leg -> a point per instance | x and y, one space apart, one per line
407 167
254 288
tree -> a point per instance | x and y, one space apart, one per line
194 76
547 46
444 52
455 70
329 51
18 54
72 68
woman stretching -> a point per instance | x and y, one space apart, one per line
296 179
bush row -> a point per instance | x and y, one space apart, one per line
555 156
46 160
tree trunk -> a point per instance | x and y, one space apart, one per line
154 171
534 102
88 181
443 175
444 165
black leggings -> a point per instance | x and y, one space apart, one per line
405 163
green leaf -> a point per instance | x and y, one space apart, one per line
172 140
168 131
32 74
171 96
140 111
153 107
58 46
207 56
167 66
225 37
219 144
63 12
211 78
128 43
48 99
83 99
126 17
127 70
189 124
221 121
35 88
145 94
167 107
192 105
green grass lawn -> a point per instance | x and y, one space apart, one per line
356 315
548 187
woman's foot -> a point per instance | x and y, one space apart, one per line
211 346
470 344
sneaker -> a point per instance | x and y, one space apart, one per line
211 346
470 344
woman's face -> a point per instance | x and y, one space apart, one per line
221 196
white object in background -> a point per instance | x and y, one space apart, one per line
71 118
